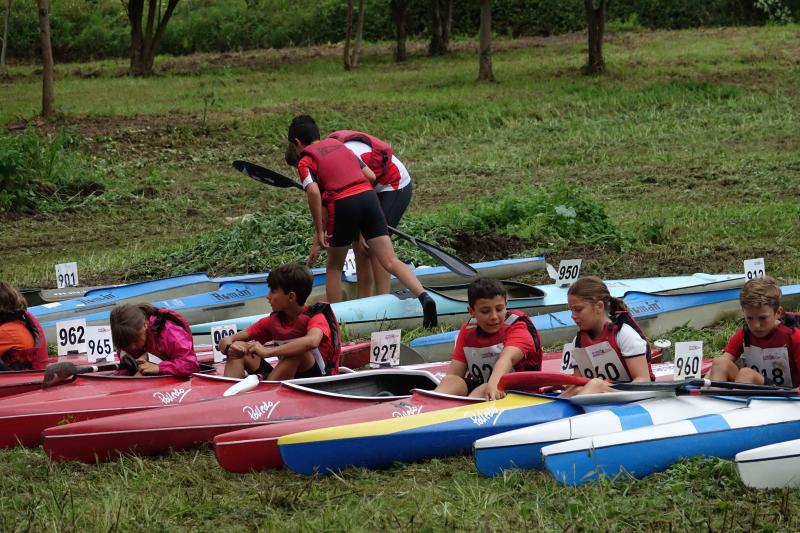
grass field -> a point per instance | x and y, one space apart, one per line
690 146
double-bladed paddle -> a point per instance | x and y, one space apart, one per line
56 373
270 177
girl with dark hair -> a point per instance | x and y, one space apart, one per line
22 342
142 329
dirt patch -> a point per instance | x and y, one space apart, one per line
485 245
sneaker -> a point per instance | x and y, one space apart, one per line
429 317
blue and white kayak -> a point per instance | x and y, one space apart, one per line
234 298
774 466
404 311
655 313
522 448
643 451
424 436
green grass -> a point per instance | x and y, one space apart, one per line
689 146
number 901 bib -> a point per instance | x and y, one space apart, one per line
600 361
481 361
772 363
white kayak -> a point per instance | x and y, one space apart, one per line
522 448
773 466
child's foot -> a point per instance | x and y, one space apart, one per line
429 317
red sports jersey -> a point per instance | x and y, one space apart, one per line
606 367
782 339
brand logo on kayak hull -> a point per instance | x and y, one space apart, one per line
263 410
176 395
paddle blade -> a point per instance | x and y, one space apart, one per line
56 373
533 381
453 263
247 384
265 175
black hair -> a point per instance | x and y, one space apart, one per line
303 128
485 288
291 277
291 156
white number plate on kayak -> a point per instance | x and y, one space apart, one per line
568 272
217 334
384 349
688 360
71 335
754 268
350 263
66 275
99 346
567 365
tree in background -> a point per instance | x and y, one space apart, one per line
595 20
485 42
400 15
354 56
441 23
6 16
348 34
47 59
146 39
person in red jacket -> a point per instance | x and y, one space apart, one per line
341 183
492 343
769 341
22 342
307 341
142 329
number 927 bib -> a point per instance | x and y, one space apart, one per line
481 361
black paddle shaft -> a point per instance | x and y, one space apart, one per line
275 179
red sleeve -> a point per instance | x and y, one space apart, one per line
306 169
261 330
458 349
518 336
178 346
735 346
321 323
794 351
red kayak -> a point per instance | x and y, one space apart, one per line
180 427
255 449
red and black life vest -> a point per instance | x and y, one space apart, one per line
34 358
334 355
338 168
609 334
472 338
381 155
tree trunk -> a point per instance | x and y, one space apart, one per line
485 47
145 40
348 33
359 35
447 24
5 35
437 46
399 14
595 21
47 59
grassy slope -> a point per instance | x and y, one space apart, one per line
689 141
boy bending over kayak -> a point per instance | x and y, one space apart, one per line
306 339
492 343
336 180
769 340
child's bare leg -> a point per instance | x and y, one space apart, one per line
364 266
333 273
381 277
288 367
452 385
723 369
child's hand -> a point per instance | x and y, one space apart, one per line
257 349
321 240
146 368
313 254
237 350
492 393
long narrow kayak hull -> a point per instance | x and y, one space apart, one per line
256 449
186 426
639 452
655 313
415 438
522 448
774 466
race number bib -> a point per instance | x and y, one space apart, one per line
217 334
350 263
71 336
384 348
772 363
481 361
600 361
66 275
100 347
568 272
568 359
754 268
688 360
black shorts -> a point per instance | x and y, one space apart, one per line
358 213
395 203
471 384
265 368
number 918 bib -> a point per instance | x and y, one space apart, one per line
772 363
481 361
600 361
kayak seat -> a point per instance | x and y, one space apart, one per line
390 383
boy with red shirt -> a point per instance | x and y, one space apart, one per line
336 179
491 344
771 348
305 344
